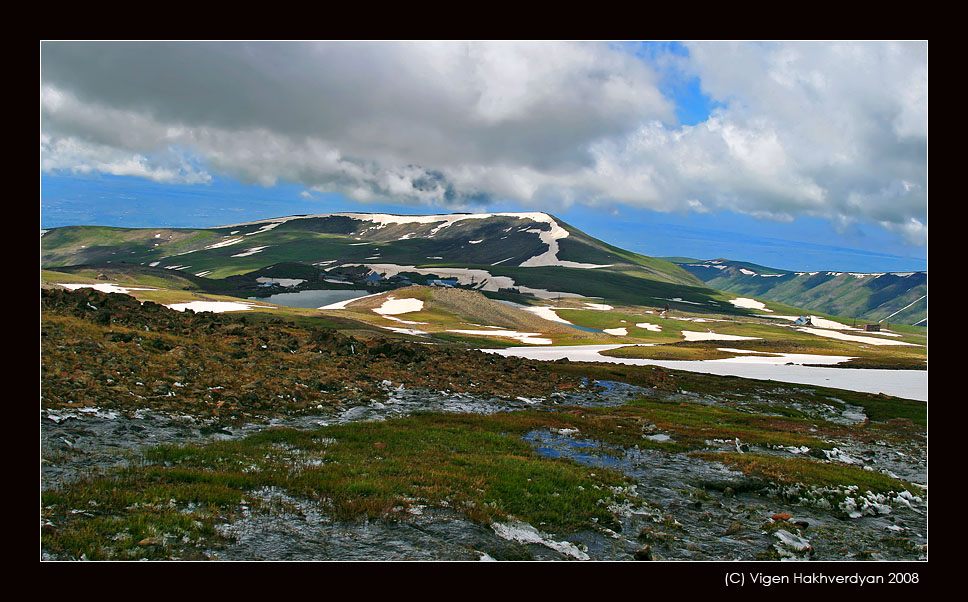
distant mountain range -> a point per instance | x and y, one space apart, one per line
500 253
899 297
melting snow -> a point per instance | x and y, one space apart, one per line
399 306
849 337
748 303
224 243
691 335
215 306
548 313
616 331
251 251
599 306
107 287
529 338
649 326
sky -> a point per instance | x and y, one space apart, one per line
794 155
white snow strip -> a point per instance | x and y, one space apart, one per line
225 243
909 384
251 251
215 306
599 306
850 337
691 335
107 287
649 326
474 242
748 303
528 338
620 332
402 321
264 228
747 272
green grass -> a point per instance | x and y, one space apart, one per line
475 465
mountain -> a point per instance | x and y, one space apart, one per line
528 253
900 297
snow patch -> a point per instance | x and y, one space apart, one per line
833 334
251 251
526 534
399 306
691 335
528 338
107 287
548 313
747 303
215 306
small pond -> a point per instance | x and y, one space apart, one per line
312 298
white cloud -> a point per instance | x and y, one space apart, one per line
835 130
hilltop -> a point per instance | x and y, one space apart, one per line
899 298
529 253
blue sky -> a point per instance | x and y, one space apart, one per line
779 154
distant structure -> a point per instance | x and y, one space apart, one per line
873 328
440 282
373 279
803 321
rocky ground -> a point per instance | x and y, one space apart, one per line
120 379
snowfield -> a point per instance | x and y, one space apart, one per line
107 287
691 335
909 384
747 303
216 306
393 306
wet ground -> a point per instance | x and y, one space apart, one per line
686 509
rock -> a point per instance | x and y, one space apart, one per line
644 553
782 516
734 528
817 453
729 492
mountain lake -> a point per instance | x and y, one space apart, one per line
312 298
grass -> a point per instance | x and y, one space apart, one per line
474 465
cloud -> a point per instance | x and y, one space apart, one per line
835 130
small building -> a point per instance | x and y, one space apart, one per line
373 278
441 282
873 328
803 321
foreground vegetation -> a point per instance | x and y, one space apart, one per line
171 501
